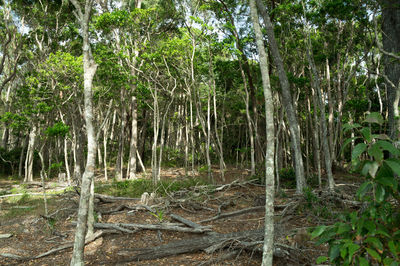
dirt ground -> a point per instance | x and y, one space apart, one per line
33 234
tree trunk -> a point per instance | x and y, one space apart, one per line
134 140
286 99
29 155
89 70
316 84
268 248
121 143
391 44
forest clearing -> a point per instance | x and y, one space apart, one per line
200 132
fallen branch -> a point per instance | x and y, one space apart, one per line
166 227
193 245
130 208
235 213
185 221
65 246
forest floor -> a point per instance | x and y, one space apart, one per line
31 233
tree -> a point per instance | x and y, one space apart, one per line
391 50
268 248
87 187
286 98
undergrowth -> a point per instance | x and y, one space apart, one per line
135 188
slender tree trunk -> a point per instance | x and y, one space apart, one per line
22 157
121 144
156 126
134 140
317 157
331 131
89 70
105 138
208 144
42 178
29 155
268 248
66 161
316 84
286 99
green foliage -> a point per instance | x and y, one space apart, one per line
59 129
370 235
173 157
135 188
159 215
9 160
287 177
309 196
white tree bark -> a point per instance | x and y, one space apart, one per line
29 155
268 248
89 68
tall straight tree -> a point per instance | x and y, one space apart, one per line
89 70
268 249
286 99
391 50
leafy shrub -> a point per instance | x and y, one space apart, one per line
370 235
287 177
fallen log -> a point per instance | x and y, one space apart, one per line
166 227
193 245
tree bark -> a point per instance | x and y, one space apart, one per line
89 70
133 142
268 248
286 99
317 85
391 44
29 155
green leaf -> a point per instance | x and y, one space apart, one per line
380 193
363 261
321 259
374 118
318 231
364 188
376 152
343 252
334 252
352 249
375 242
366 132
390 262
343 228
388 181
392 248
394 165
381 136
348 127
370 226
387 146
374 254
370 167
358 150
